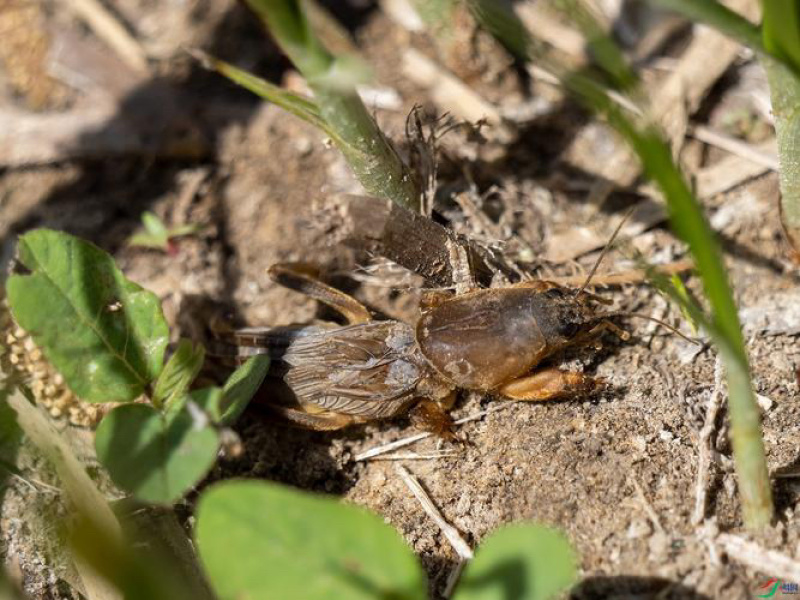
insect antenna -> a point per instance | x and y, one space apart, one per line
605 251
663 324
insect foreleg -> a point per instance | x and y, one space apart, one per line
548 384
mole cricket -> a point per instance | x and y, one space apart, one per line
488 340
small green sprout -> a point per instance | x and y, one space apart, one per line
157 235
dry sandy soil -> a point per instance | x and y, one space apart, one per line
616 471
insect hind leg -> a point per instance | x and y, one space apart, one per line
297 278
322 421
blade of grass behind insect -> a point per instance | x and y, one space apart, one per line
603 49
689 223
372 158
499 19
680 289
784 89
79 490
780 30
288 24
718 16
298 105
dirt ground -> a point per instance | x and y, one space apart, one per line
616 471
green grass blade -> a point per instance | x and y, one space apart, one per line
781 30
372 158
499 19
784 88
718 16
288 24
299 106
688 221
680 290
781 35
602 47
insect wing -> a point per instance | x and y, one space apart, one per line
365 370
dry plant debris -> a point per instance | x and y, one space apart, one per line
23 359
23 55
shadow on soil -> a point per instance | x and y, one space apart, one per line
627 586
177 124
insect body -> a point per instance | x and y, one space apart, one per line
489 340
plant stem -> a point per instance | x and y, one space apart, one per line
437 13
718 16
499 19
784 88
374 161
688 221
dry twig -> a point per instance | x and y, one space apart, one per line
448 91
705 444
736 146
731 171
761 559
414 456
452 534
624 277
458 543
111 31
648 508
407 441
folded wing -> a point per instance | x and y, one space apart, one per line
369 370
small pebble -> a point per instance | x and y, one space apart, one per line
764 402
